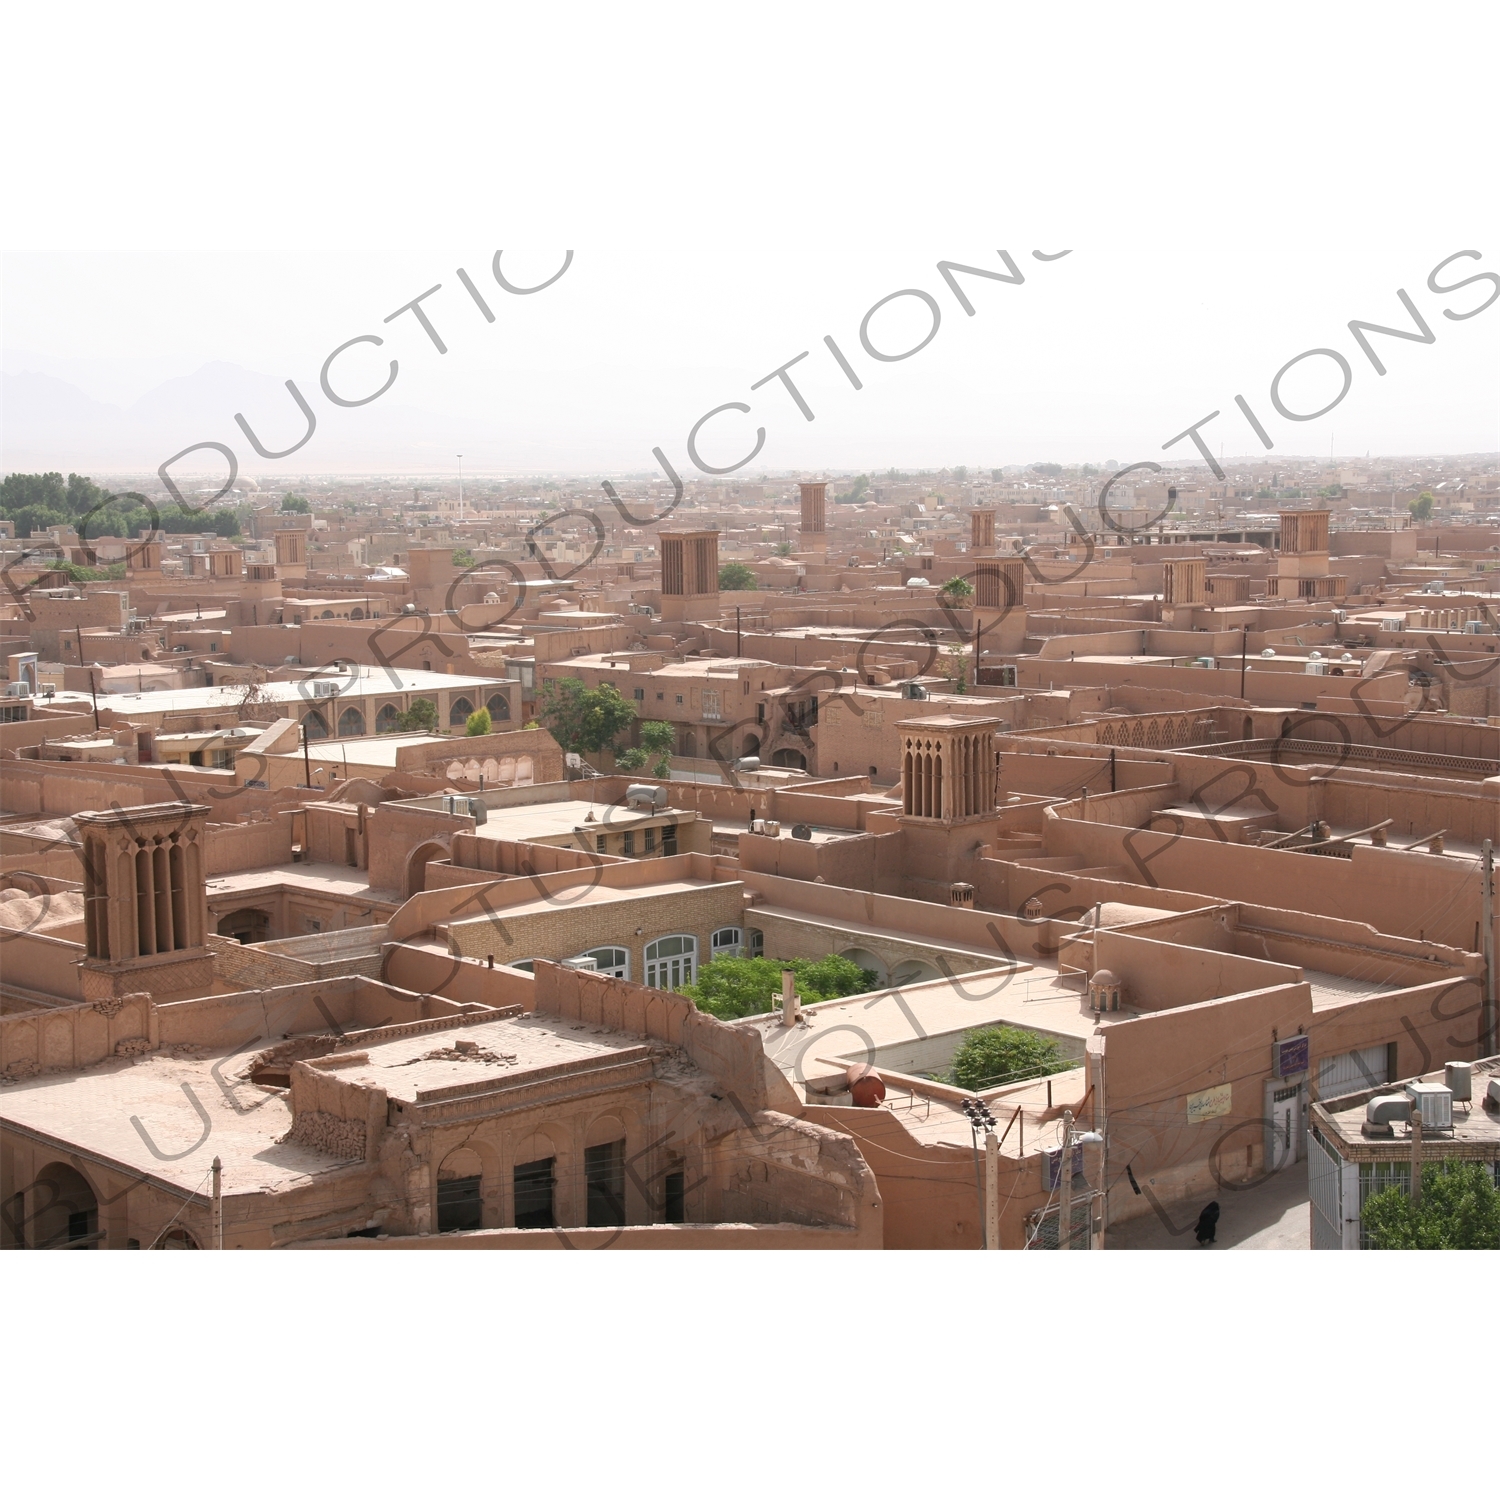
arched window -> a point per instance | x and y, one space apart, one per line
351 723
757 943
326 615
459 711
459 1181
315 726
356 613
612 961
671 961
499 707
176 1239
727 942
525 965
385 720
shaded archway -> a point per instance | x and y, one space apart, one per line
247 925
460 1179
499 707
751 745
416 864
315 726
867 960
351 723
793 760
458 712
385 720
65 1212
913 971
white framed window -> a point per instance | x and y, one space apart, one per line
612 961
671 961
727 942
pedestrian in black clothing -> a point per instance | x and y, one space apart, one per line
1208 1224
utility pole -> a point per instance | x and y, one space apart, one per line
1487 941
1244 648
306 759
78 631
1416 1152
1065 1184
991 1190
218 1221
739 649
979 1117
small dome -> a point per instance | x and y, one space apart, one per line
1104 977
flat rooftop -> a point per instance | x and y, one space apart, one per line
559 819
1473 1126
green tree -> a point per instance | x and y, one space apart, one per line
583 719
658 738
957 590
1421 507
631 759
478 722
422 715
295 505
1001 1054
463 558
734 575
733 987
855 492
783 549
1460 1210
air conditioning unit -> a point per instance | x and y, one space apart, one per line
913 690
466 807
1433 1102
1476 627
1393 622
323 688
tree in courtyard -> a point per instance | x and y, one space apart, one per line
736 575
478 722
733 987
583 719
957 590
1459 1210
421 716
294 505
1002 1054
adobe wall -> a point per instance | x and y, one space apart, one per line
631 1237
74 1036
1163 976
1152 1063
730 1054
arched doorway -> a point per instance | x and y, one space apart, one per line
65 1213
248 925
867 960
793 760
1247 728
751 745
913 971
459 1181
416 864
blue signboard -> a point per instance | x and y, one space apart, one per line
1294 1055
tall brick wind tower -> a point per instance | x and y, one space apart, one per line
689 575
145 901
813 535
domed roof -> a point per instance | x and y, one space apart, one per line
1105 977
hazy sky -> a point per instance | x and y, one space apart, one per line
730 200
